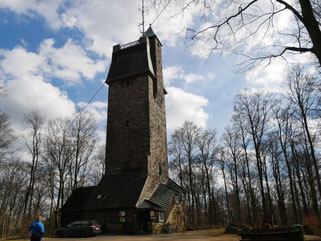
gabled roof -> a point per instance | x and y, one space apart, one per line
78 199
121 190
113 191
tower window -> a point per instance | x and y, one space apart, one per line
101 196
127 123
160 170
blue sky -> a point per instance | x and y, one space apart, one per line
55 54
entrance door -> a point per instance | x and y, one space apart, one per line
142 221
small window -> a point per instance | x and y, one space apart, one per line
127 123
160 170
101 196
158 127
176 199
161 217
152 215
122 83
128 82
122 217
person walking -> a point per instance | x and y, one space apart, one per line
38 230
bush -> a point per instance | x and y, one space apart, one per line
310 225
234 229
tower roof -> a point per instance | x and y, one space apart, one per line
130 60
150 32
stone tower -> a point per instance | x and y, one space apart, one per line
136 125
135 194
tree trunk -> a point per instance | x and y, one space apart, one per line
312 27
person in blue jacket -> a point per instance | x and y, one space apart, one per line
38 230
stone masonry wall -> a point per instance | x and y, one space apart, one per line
157 160
136 126
128 144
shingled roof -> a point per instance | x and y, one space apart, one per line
113 191
162 196
131 60
78 199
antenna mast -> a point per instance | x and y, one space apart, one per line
143 18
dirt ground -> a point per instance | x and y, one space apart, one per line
215 234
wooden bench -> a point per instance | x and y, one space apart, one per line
276 234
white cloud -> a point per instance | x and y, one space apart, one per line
171 73
97 109
189 78
182 106
269 78
23 78
70 62
48 9
177 72
104 23
19 63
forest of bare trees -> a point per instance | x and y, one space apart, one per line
62 154
265 164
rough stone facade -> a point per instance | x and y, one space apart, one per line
136 126
136 179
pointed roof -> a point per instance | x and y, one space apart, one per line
150 32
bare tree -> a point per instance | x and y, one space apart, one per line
175 150
222 166
187 136
84 141
255 110
6 134
207 145
233 151
251 28
303 92
34 121
59 150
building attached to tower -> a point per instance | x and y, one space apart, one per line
135 194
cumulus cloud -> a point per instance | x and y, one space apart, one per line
70 62
183 106
269 78
48 9
26 88
106 23
172 73
97 109
26 77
